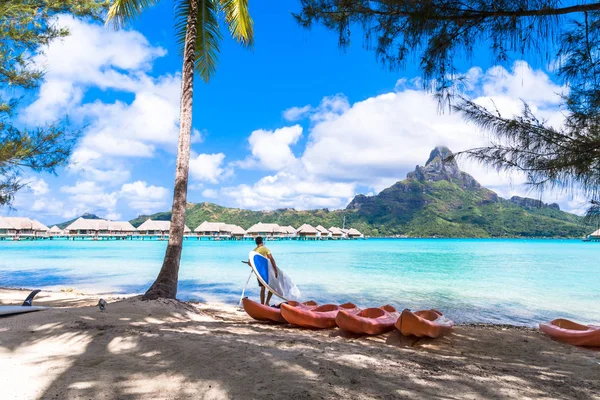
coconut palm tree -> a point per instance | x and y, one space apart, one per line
198 34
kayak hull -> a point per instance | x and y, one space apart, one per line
322 317
425 323
572 333
262 312
370 321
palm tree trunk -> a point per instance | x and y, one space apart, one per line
165 285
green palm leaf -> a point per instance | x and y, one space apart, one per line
241 25
208 34
123 11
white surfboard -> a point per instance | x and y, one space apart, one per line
9 310
280 285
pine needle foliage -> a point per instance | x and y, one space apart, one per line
27 27
442 34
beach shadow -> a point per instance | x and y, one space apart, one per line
166 349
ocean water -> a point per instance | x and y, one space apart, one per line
514 281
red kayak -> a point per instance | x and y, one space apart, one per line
262 312
572 333
431 323
370 321
322 317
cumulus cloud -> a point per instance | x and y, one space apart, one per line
115 132
88 196
296 113
144 198
271 149
375 142
286 189
207 167
38 186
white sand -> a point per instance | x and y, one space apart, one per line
172 350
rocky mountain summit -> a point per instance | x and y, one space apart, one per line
440 199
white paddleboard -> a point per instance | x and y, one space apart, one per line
281 286
8 310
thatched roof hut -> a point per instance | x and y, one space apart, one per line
261 228
336 232
55 230
158 226
235 230
322 230
20 223
353 233
307 230
210 227
5 224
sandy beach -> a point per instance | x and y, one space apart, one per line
173 350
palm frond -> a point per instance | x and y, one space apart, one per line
239 21
123 11
208 34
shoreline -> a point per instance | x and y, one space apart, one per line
91 295
167 349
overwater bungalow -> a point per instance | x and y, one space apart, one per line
55 231
120 228
354 234
99 228
38 227
307 231
289 232
235 231
211 229
158 228
23 227
594 237
336 233
7 230
268 231
324 233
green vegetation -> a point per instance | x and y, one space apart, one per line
437 200
440 35
26 27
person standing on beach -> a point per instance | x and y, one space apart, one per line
265 252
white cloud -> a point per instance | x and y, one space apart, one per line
144 198
330 108
286 189
207 167
210 193
296 113
38 186
88 196
271 149
90 56
375 142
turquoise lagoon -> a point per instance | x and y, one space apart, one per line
514 281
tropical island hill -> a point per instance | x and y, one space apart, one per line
166 349
435 200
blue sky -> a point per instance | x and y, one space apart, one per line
296 122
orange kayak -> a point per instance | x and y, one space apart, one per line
261 312
572 333
370 321
431 323
322 317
